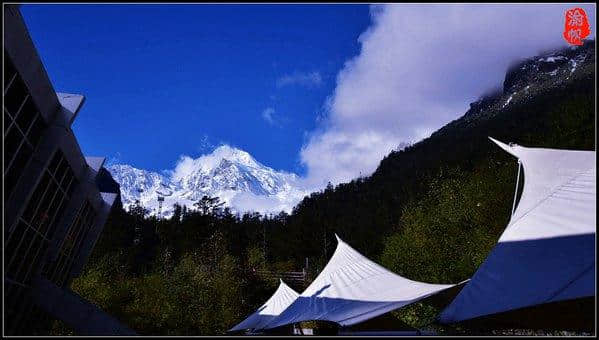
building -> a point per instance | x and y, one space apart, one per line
54 209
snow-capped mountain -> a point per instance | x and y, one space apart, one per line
530 77
231 174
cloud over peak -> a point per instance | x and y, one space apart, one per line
418 68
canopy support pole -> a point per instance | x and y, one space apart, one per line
516 191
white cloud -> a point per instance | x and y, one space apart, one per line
308 79
248 202
185 166
267 115
419 67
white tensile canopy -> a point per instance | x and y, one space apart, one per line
351 289
277 303
547 252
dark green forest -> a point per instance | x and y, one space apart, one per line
430 212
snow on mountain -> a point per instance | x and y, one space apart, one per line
231 174
530 77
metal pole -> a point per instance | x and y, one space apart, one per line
516 191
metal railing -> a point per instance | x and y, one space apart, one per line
289 277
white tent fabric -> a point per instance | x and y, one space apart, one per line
547 251
277 303
351 289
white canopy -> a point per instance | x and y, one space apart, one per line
547 251
351 289
277 303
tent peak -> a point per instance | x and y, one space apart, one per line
277 303
506 147
338 239
502 144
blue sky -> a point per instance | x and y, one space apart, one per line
161 81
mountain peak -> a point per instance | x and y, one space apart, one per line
233 155
227 172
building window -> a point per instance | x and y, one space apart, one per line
29 238
27 241
58 270
23 126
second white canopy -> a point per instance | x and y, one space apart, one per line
351 289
